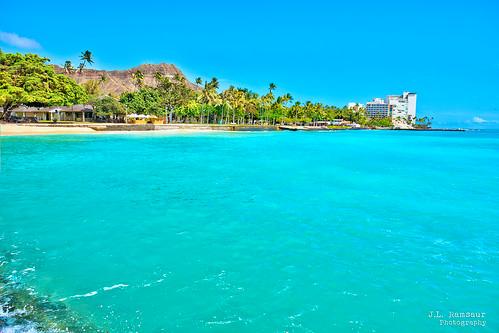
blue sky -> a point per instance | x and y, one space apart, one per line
332 52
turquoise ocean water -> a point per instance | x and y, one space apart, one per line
348 231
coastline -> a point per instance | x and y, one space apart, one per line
15 130
62 129
111 128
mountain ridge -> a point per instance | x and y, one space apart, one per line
116 82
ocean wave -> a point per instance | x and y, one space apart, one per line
89 294
95 292
220 322
121 285
150 283
28 270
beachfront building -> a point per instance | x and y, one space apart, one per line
403 106
378 108
78 112
31 112
394 106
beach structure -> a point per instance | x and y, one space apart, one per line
378 108
394 106
78 112
320 123
41 113
403 106
143 119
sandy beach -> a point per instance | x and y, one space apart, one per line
13 129
22 130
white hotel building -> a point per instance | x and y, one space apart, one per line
378 108
394 106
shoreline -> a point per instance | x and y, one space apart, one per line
8 129
91 129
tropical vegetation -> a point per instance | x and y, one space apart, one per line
109 108
423 122
174 100
28 79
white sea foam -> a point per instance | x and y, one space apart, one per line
27 270
349 293
297 315
219 322
121 285
20 329
10 314
90 294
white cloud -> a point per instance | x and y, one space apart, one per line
18 41
479 120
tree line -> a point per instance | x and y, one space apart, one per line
173 99
29 80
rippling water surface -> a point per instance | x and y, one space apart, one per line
359 231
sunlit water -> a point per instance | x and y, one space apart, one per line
350 231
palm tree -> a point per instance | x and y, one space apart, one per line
296 110
68 67
209 96
214 83
213 86
80 67
252 104
199 81
86 58
215 99
272 87
281 105
138 78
